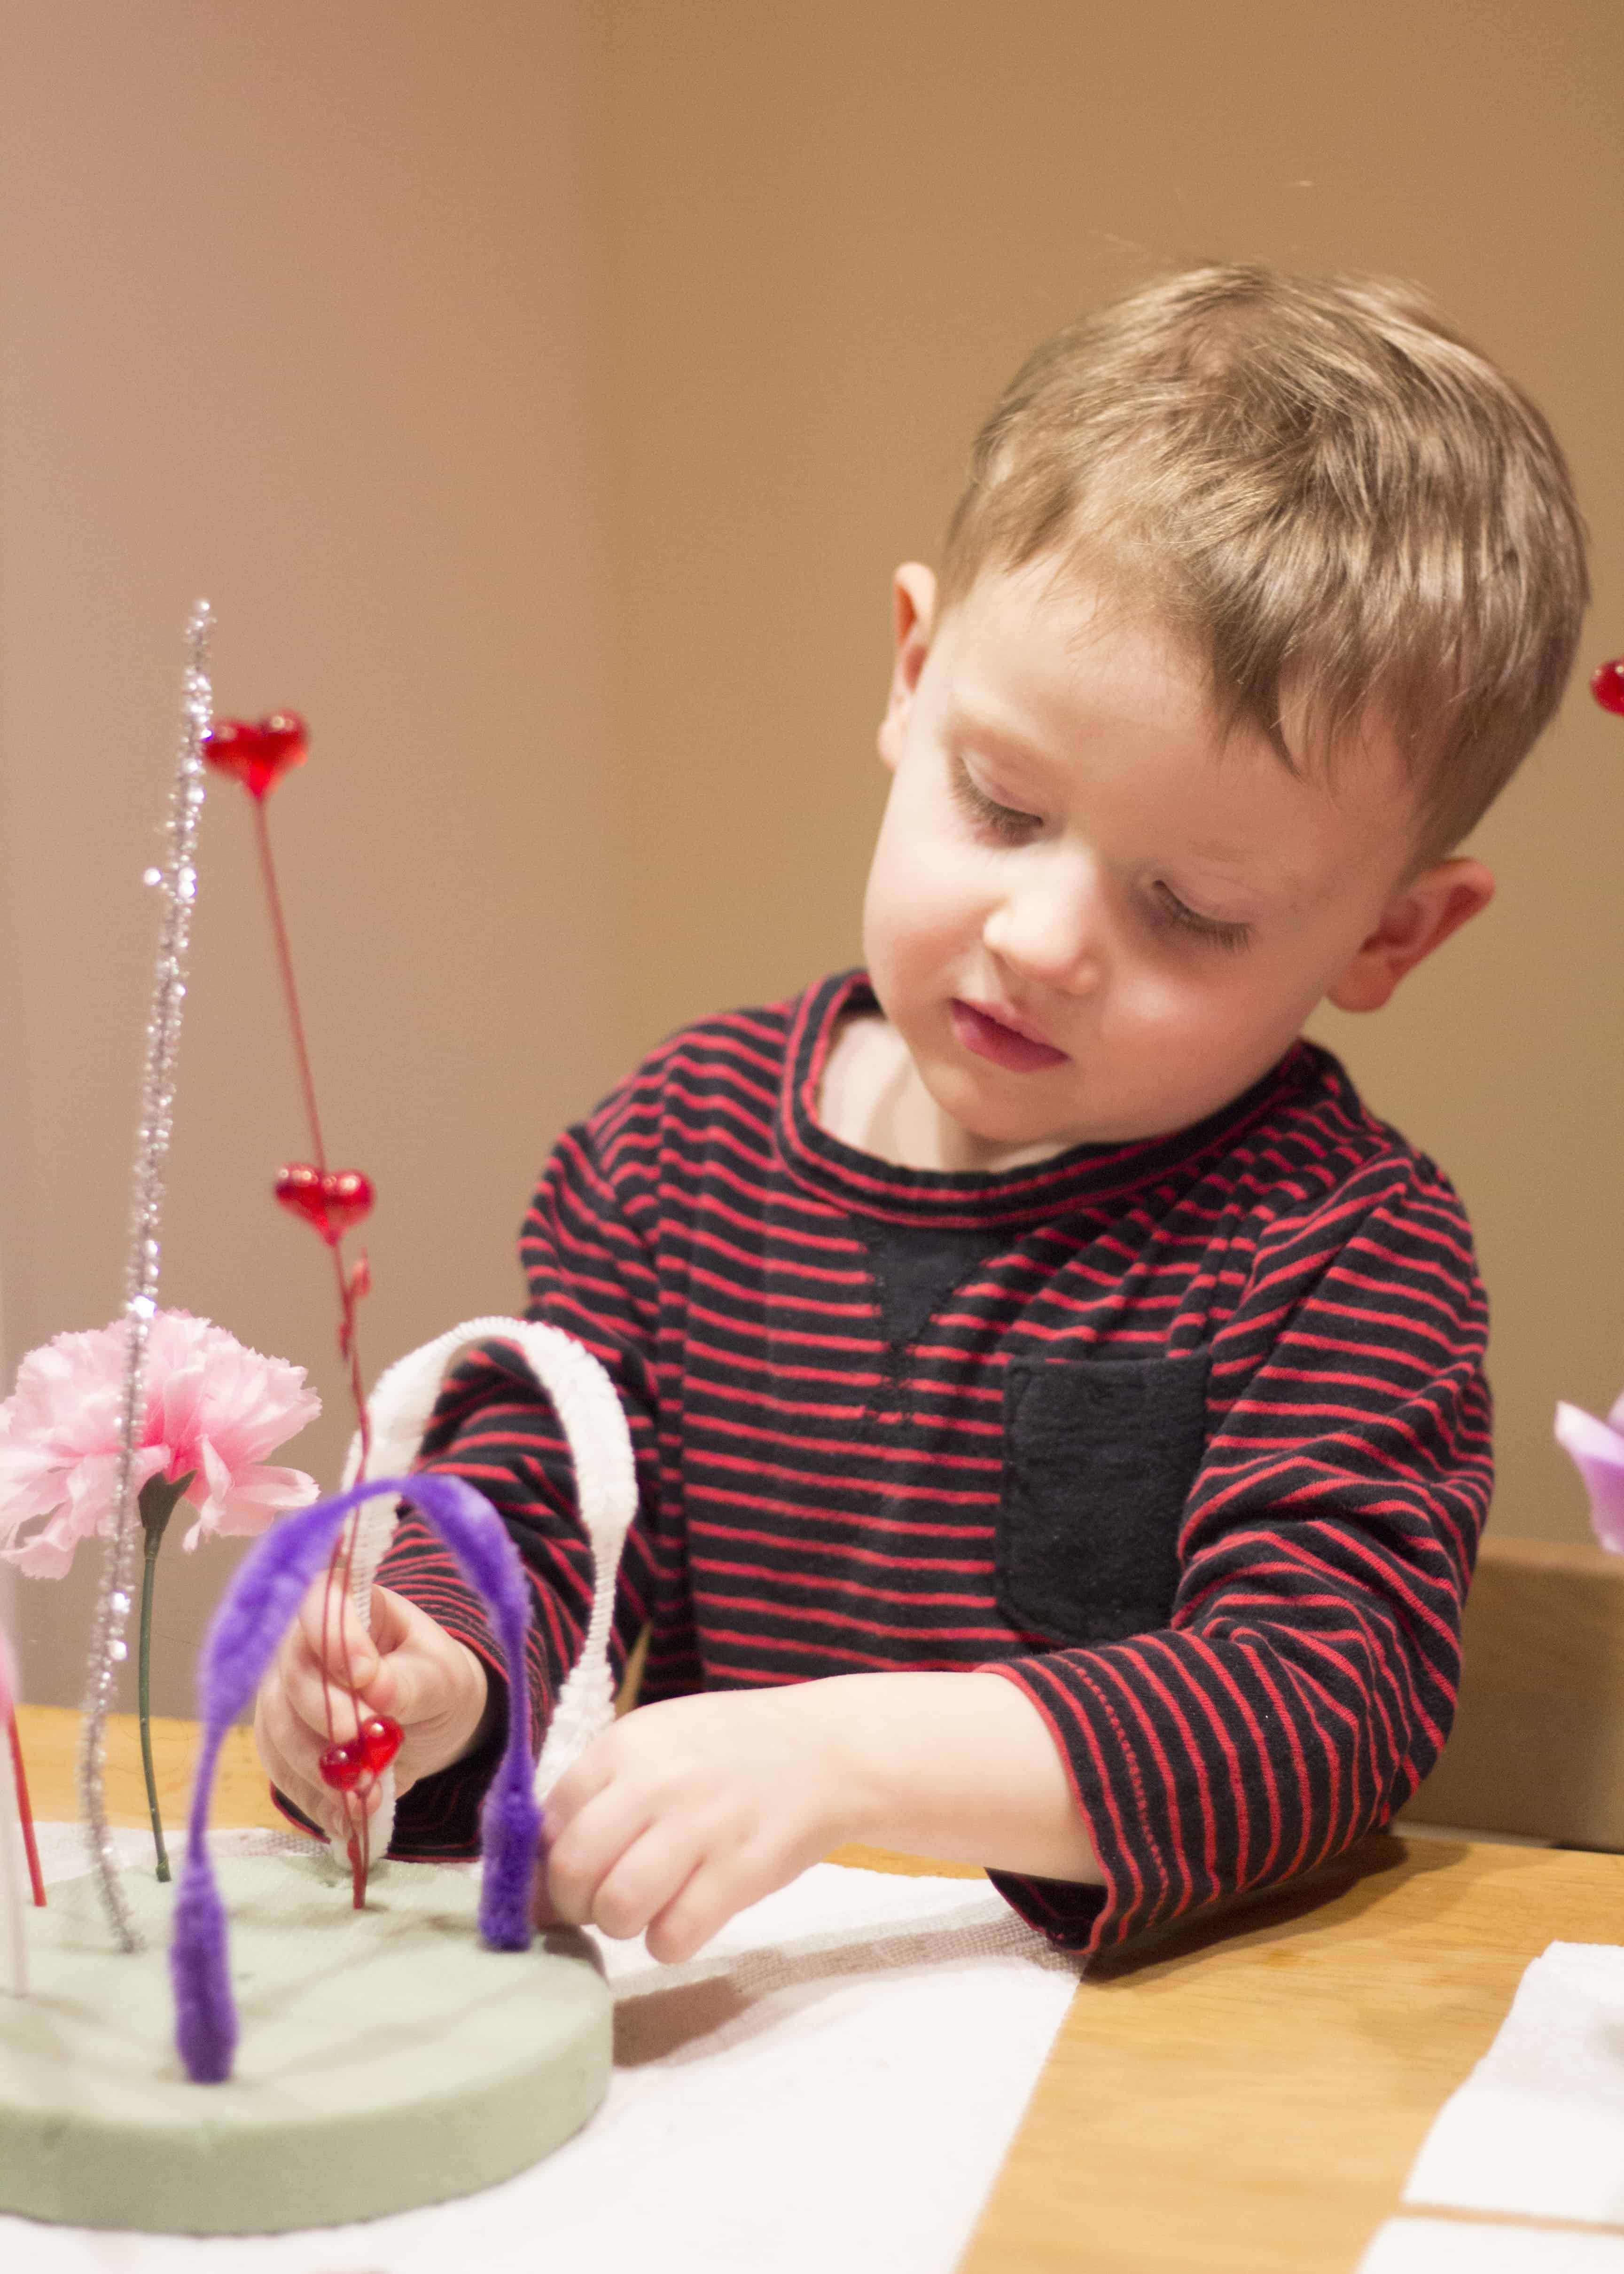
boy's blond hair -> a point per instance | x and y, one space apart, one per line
1335 500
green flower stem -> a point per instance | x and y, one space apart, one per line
144 1698
158 1499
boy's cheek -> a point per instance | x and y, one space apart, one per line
919 918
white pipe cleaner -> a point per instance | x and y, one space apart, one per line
600 1445
11 1832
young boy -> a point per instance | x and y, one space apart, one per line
1059 1405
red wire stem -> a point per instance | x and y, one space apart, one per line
290 986
340 1562
347 1341
19 1779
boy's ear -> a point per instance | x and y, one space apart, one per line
913 600
1419 917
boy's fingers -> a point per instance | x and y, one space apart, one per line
645 1880
582 1853
544 1912
580 1783
313 1699
308 1708
289 1770
333 1636
284 1751
310 1700
700 1907
437 1688
391 1618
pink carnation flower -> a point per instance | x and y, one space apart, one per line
1597 1450
212 1406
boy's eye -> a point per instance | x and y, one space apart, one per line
1006 822
1177 917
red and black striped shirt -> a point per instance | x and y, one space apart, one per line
1188 1437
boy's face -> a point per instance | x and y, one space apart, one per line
1090 916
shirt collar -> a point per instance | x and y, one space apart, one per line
1083 1178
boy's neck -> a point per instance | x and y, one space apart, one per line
872 1099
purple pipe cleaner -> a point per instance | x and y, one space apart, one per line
256 1611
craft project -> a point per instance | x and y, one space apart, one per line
296 2039
335 2064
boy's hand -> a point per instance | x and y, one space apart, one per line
409 1667
685 1812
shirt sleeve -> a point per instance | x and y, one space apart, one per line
1307 1679
588 1274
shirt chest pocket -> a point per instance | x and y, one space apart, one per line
1099 1456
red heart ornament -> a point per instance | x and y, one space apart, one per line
379 1739
259 755
343 1767
367 1754
1607 686
328 1203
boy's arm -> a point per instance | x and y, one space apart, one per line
1307 1679
1301 1692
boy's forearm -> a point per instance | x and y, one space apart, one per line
957 1765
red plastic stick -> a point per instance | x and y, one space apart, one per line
19 1776
347 1342
258 756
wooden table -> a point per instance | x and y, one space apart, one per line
1246 2100
50 1740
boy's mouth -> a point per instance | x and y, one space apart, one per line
989 1037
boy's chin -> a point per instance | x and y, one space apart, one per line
996 1125
1032 1130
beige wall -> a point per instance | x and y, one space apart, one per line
835 231
303 317
543 393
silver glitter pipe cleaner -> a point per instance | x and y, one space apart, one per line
178 880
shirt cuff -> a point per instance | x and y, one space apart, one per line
437 1821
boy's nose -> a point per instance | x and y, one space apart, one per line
1050 926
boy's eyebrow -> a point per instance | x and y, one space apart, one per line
963 718
1283 883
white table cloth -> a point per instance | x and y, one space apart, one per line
1535 2133
1436 2246
830 2085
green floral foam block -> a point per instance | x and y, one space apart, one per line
387 2057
